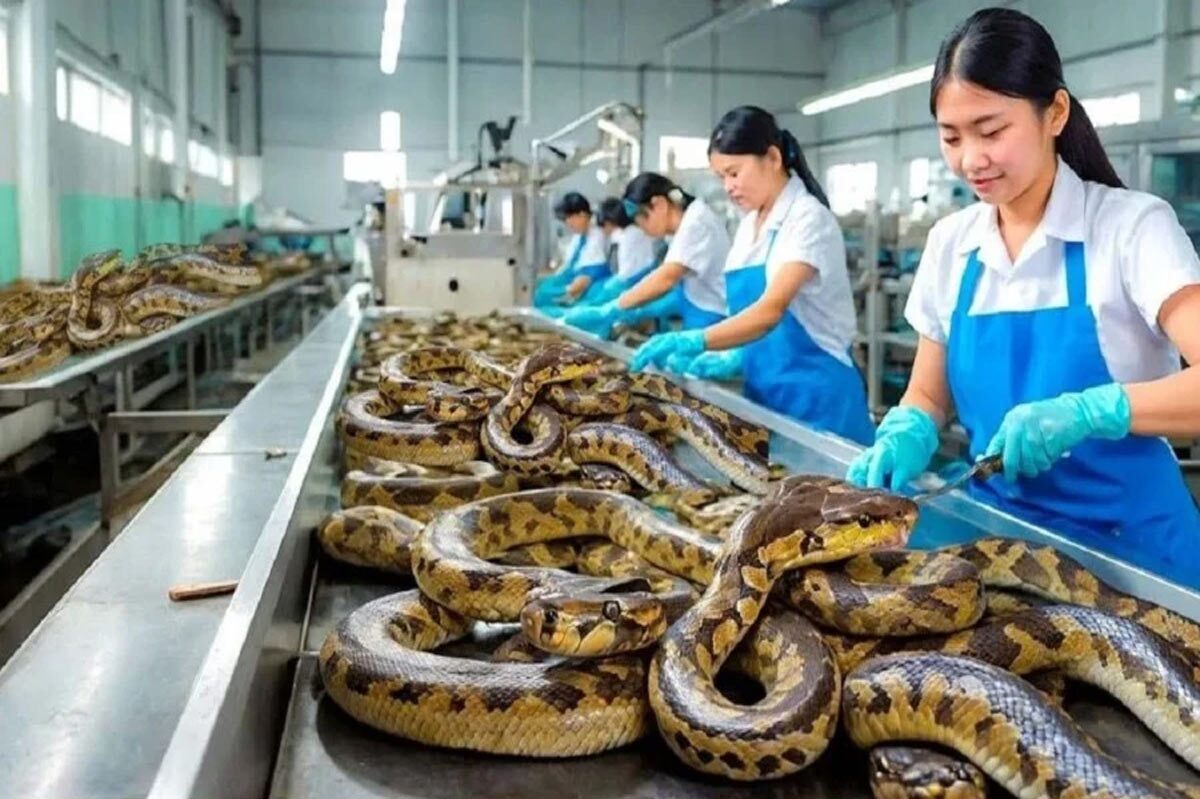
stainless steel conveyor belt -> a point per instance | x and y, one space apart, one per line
120 693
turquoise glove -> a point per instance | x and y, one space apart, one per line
726 365
658 349
904 444
1034 435
595 319
612 289
679 362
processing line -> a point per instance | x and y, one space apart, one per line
123 693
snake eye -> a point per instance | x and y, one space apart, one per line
550 615
864 521
611 611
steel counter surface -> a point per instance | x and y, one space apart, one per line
90 700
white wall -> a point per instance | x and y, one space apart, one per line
323 90
1107 46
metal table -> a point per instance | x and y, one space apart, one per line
81 371
120 693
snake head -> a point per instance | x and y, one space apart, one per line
589 623
901 772
560 363
809 519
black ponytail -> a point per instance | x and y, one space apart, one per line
749 130
648 185
1008 52
612 212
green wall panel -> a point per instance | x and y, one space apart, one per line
91 223
10 234
88 224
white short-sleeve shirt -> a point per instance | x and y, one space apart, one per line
1136 252
701 244
635 250
808 232
595 247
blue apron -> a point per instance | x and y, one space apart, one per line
788 372
1125 497
692 316
550 288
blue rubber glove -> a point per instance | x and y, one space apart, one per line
595 319
658 349
612 289
679 362
725 365
1034 435
904 444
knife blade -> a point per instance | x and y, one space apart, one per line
982 469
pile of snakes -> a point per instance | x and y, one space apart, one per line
527 487
107 300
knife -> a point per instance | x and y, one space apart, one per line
982 469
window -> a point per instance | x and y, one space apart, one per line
202 159
149 133
682 152
389 131
166 142
365 166
851 186
4 87
85 103
62 93
93 104
1117 109
226 170
116 116
918 178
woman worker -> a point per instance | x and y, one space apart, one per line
636 254
1051 314
786 285
588 261
688 283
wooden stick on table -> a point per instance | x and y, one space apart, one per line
182 593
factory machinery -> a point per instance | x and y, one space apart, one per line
491 227
121 692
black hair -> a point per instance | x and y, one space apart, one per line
572 203
612 211
1008 52
648 185
749 130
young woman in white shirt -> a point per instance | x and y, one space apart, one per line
1051 314
791 309
587 261
635 254
688 283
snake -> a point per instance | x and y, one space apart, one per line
749 472
995 719
452 568
107 300
803 521
422 497
365 425
641 458
555 363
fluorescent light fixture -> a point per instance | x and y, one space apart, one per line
778 3
389 131
868 90
393 30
